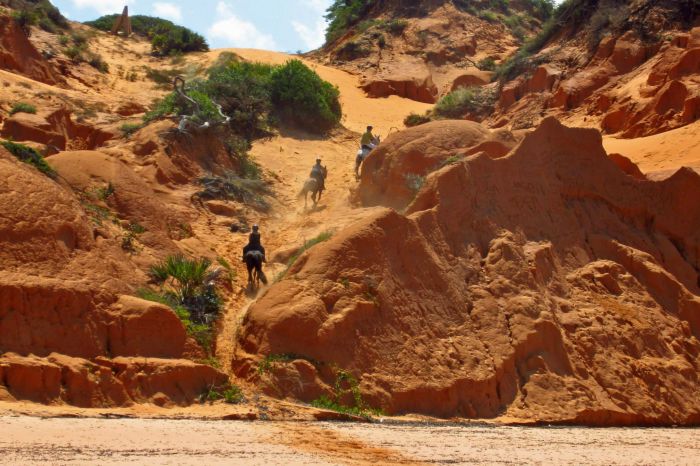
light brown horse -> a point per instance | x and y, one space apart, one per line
314 187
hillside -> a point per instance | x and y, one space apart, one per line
518 268
423 50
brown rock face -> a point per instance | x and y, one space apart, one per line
108 383
56 129
390 173
544 285
64 304
18 55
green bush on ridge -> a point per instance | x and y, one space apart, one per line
22 107
167 38
303 98
255 95
30 156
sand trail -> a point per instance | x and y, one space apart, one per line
287 158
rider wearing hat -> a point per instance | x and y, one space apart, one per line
254 243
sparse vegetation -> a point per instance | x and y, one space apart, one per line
128 129
325 236
265 365
346 383
396 26
230 393
22 107
233 187
414 182
474 99
414 119
30 156
80 51
487 64
352 50
130 236
230 271
167 38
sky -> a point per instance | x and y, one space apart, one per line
282 25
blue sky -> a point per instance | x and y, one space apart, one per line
284 25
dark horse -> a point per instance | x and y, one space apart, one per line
254 261
314 187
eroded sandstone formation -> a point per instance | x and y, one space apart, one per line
546 284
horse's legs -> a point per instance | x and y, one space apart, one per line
250 277
306 201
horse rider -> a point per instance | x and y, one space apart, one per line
367 140
254 243
317 174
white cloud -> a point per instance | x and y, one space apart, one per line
168 11
104 7
312 37
238 32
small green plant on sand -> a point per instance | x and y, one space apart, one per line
30 156
231 394
325 236
22 107
346 383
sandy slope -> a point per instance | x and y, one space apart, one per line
289 158
99 441
661 154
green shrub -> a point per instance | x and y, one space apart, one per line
231 394
243 90
464 100
303 98
28 155
167 38
128 129
346 383
74 53
189 283
22 107
396 26
255 95
489 16
414 119
37 12
487 64
174 104
97 62
342 14
25 19
163 77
